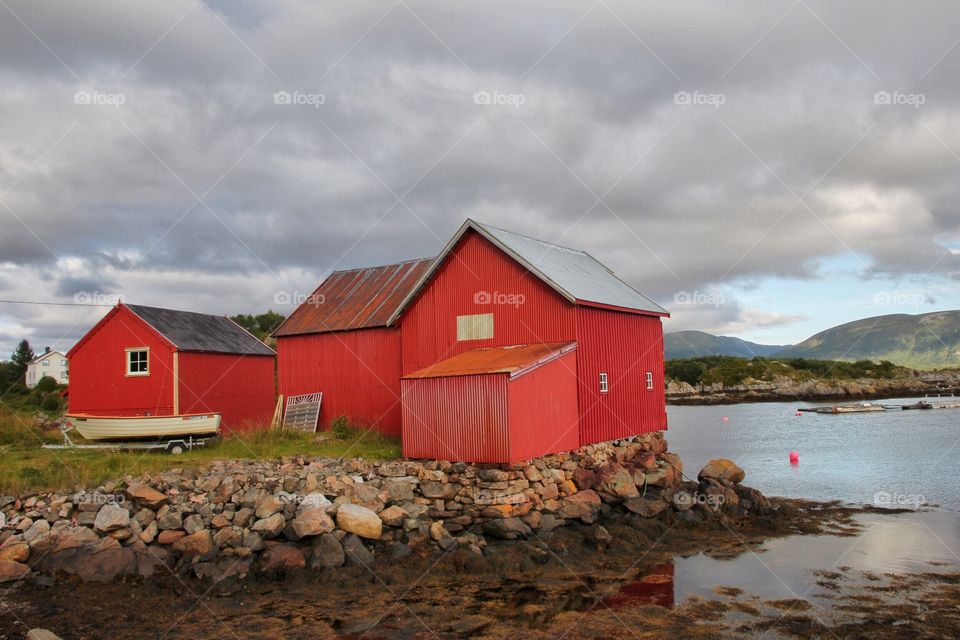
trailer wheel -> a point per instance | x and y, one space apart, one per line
175 448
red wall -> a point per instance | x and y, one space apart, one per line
544 416
456 418
490 418
625 346
98 380
357 371
239 387
429 326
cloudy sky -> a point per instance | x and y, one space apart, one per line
763 169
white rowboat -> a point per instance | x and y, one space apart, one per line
131 427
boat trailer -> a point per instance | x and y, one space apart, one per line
174 446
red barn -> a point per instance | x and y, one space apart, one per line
142 360
584 349
494 288
338 342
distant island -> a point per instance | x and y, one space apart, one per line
924 341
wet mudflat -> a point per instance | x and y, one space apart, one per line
810 571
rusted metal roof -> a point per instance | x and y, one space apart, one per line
515 360
354 299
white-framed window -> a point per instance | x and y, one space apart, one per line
138 361
649 380
475 327
46 363
63 374
63 362
604 387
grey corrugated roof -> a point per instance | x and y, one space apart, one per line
190 331
574 274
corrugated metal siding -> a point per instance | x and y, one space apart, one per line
355 299
239 387
462 418
98 381
544 415
625 346
357 371
474 268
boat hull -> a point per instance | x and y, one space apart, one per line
137 427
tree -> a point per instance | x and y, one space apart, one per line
21 357
261 325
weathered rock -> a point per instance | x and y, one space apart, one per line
199 543
584 505
111 517
41 634
326 552
722 470
170 520
645 507
311 522
14 551
441 490
37 530
617 481
146 496
507 528
193 523
359 520
393 516
269 506
356 552
227 537
271 526
11 571
170 536
440 535
281 557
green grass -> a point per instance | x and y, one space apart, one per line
26 467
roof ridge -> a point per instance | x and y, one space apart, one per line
382 266
532 239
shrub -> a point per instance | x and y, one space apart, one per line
340 427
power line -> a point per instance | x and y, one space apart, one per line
57 304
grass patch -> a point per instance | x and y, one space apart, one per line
26 467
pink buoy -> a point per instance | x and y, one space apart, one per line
794 457
726 418
799 413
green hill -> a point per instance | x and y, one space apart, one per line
693 344
924 341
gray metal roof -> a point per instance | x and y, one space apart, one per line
574 274
190 331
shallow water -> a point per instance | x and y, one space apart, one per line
900 457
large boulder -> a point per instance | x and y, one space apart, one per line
281 557
146 496
11 571
270 527
199 543
617 481
311 522
722 470
359 520
507 528
645 507
111 517
326 552
584 505
14 551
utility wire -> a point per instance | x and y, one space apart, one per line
58 304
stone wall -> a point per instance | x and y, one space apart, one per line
241 515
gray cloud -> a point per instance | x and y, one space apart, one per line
692 196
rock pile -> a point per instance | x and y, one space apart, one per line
272 516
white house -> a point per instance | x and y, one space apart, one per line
49 363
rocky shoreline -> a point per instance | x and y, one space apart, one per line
787 390
273 518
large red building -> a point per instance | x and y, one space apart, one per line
142 360
491 294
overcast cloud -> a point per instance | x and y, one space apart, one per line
212 156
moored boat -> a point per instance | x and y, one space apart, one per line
135 427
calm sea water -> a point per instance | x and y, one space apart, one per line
904 456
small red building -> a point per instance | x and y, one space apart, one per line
490 294
338 342
142 360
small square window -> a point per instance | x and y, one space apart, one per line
138 362
63 362
63 374
649 381
604 388
46 363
